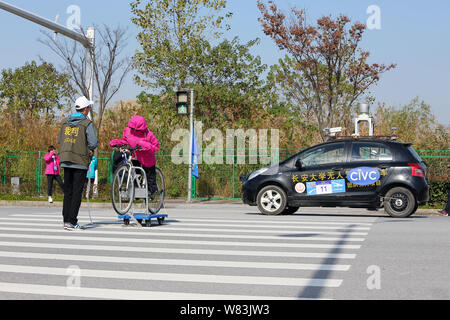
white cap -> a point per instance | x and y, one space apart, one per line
82 103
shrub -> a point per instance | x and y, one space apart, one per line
439 191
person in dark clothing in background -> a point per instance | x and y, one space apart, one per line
76 138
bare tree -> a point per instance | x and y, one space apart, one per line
110 68
331 72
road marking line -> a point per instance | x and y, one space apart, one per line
179 277
172 227
124 294
172 262
170 250
180 225
146 232
81 235
238 221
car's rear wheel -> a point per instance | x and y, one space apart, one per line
400 202
271 200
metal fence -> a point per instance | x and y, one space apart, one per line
216 181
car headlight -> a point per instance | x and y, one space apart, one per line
257 173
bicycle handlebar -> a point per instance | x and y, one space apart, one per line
128 148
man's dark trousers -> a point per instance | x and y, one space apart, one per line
73 192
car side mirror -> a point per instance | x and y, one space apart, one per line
298 164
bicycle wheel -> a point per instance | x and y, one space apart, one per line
122 193
156 199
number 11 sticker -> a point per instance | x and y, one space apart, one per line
325 187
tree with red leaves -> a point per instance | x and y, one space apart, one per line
331 71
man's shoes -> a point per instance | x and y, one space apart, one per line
443 212
50 200
72 227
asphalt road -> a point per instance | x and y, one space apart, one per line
224 251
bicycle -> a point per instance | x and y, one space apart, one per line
129 186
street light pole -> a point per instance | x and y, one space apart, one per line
90 35
45 23
191 125
88 40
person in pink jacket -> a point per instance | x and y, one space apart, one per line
137 133
52 171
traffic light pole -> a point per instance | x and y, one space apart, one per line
191 129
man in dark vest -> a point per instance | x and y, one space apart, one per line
76 137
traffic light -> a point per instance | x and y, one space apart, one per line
182 102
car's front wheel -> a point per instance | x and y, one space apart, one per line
271 200
400 202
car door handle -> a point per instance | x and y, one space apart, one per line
336 169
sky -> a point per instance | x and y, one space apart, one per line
410 33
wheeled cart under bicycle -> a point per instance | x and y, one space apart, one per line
143 219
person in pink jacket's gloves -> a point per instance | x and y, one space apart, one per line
137 133
52 171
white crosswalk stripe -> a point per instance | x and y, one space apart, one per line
101 293
253 258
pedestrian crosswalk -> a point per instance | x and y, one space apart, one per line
188 258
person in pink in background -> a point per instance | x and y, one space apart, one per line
137 133
52 171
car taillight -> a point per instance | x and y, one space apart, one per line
417 170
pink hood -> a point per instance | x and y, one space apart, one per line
138 133
137 123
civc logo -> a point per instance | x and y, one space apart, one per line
363 176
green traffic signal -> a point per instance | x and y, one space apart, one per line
182 101
181 108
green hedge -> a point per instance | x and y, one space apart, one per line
439 191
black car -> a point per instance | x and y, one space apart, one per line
353 172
